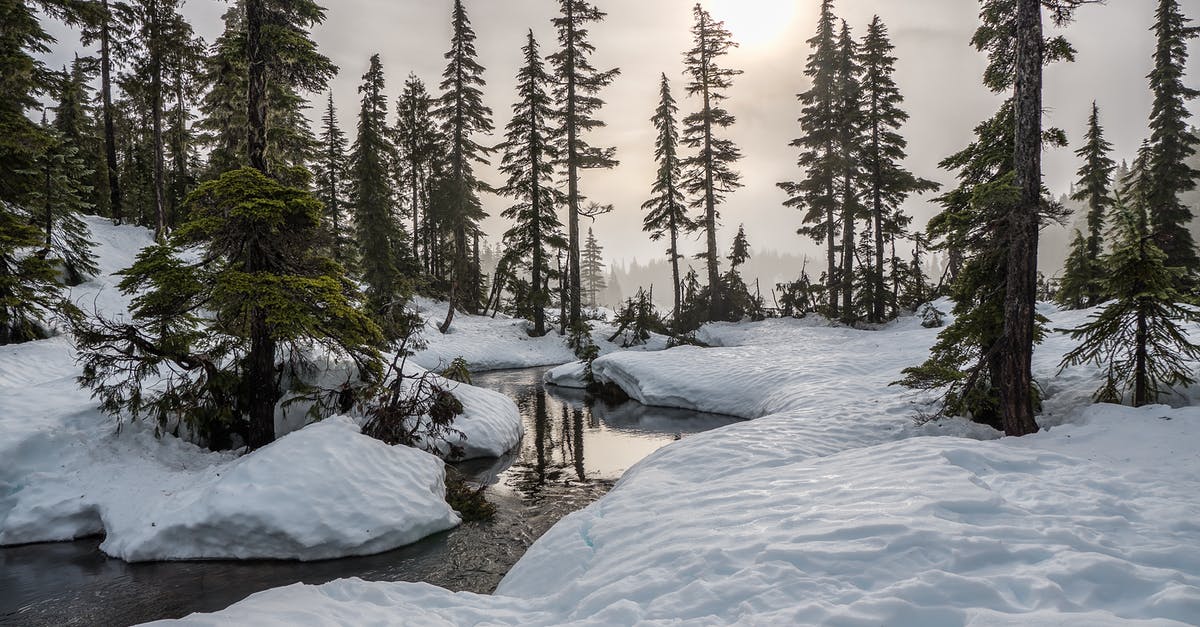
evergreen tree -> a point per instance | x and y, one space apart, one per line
378 232
55 206
417 141
1081 284
1140 338
1171 141
740 251
819 159
74 125
667 211
592 270
109 25
189 353
850 142
29 290
710 174
887 184
463 115
182 72
579 82
528 163
331 178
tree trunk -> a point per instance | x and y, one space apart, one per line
831 280
678 289
539 295
1141 384
256 87
574 283
1016 354
847 278
710 201
110 132
156 115
878 289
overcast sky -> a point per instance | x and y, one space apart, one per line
938 73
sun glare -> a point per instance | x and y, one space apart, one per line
755 22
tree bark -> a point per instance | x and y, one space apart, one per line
710 201
156 115
575 282
1141 387
1016 354
110 132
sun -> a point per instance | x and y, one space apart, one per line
755 22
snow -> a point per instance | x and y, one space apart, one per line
832 507
320 492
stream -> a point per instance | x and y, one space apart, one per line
573 452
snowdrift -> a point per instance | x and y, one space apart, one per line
321 492
831 507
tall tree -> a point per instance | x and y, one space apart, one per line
1139 338
57 202
379 236
819 159
110 27
710 174
1171 140
1082 285
850 142
887 183
666 212
74 123
528 163
579 82
463 115
330 175
417 141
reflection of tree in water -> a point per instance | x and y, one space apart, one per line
557 443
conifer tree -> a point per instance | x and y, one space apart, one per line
331 178
1140 338
592 269
528 163
710 174
1081 283
739 252
109 25
379 236
579 84
887 184
29 289
667 211
56 204
1171 141
74 125
463 115
416 139
850 142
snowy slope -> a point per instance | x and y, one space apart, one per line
832 508
324 491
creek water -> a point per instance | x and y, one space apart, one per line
573 452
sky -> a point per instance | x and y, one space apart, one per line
938 73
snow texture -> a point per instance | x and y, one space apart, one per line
831 507
321 492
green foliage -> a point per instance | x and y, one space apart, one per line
458 370
637 320
1140 338
55 205
29 290
1082 284
183 359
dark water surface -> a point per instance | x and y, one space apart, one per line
573 451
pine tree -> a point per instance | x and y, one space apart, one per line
1081 284
55 206
579 84
667 211
109 25
29 289
74 124
850 141
331 179
710 174
182 72
740 251
528 163
1171 141
1140 338
592 270
463 115
887 184
379 235
819 159
417 141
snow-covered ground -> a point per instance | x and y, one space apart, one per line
832 507
323 491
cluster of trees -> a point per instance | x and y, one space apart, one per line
990 225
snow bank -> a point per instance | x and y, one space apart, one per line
323 491
831 508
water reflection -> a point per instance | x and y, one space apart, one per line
572 453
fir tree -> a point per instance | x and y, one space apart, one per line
740 251
528 163
331 178
1171 141
667 211
850 141
1081 283
417 141
74 124
190 352
710 174
379 235
887 184
1140 338
56 205
592 270
29 290
579 84
463 115
819 159
109 25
